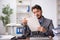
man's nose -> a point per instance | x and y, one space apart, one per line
35 14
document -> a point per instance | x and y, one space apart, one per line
33 23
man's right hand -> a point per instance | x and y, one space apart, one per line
24 21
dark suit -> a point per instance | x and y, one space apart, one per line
48 25
44 22
27 31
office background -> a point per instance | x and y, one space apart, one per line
49 8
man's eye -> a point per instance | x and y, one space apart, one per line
33 12
37 11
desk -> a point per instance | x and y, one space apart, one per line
6 37
36 38
39 38
56 38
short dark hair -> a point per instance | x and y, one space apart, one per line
37 7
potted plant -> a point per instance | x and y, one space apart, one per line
7 11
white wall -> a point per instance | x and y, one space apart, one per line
49 8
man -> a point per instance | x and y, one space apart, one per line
46 24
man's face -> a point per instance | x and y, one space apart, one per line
37 13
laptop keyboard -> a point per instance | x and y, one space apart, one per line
39 38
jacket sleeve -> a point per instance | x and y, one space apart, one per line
27 30
49 32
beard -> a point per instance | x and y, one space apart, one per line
38 16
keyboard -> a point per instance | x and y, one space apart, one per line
39 38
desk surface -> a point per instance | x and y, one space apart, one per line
6 37
39 38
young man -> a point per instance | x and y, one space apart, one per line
46 24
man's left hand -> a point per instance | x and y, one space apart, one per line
41 29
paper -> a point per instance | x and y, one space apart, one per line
33 23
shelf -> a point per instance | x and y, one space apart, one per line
23 9
23 12
22 5
23 2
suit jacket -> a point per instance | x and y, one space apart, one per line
47 24
44 22
27 31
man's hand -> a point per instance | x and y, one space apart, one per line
24 21
41 29
50 37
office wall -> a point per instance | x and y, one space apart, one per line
49 8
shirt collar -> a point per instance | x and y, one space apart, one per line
41 19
